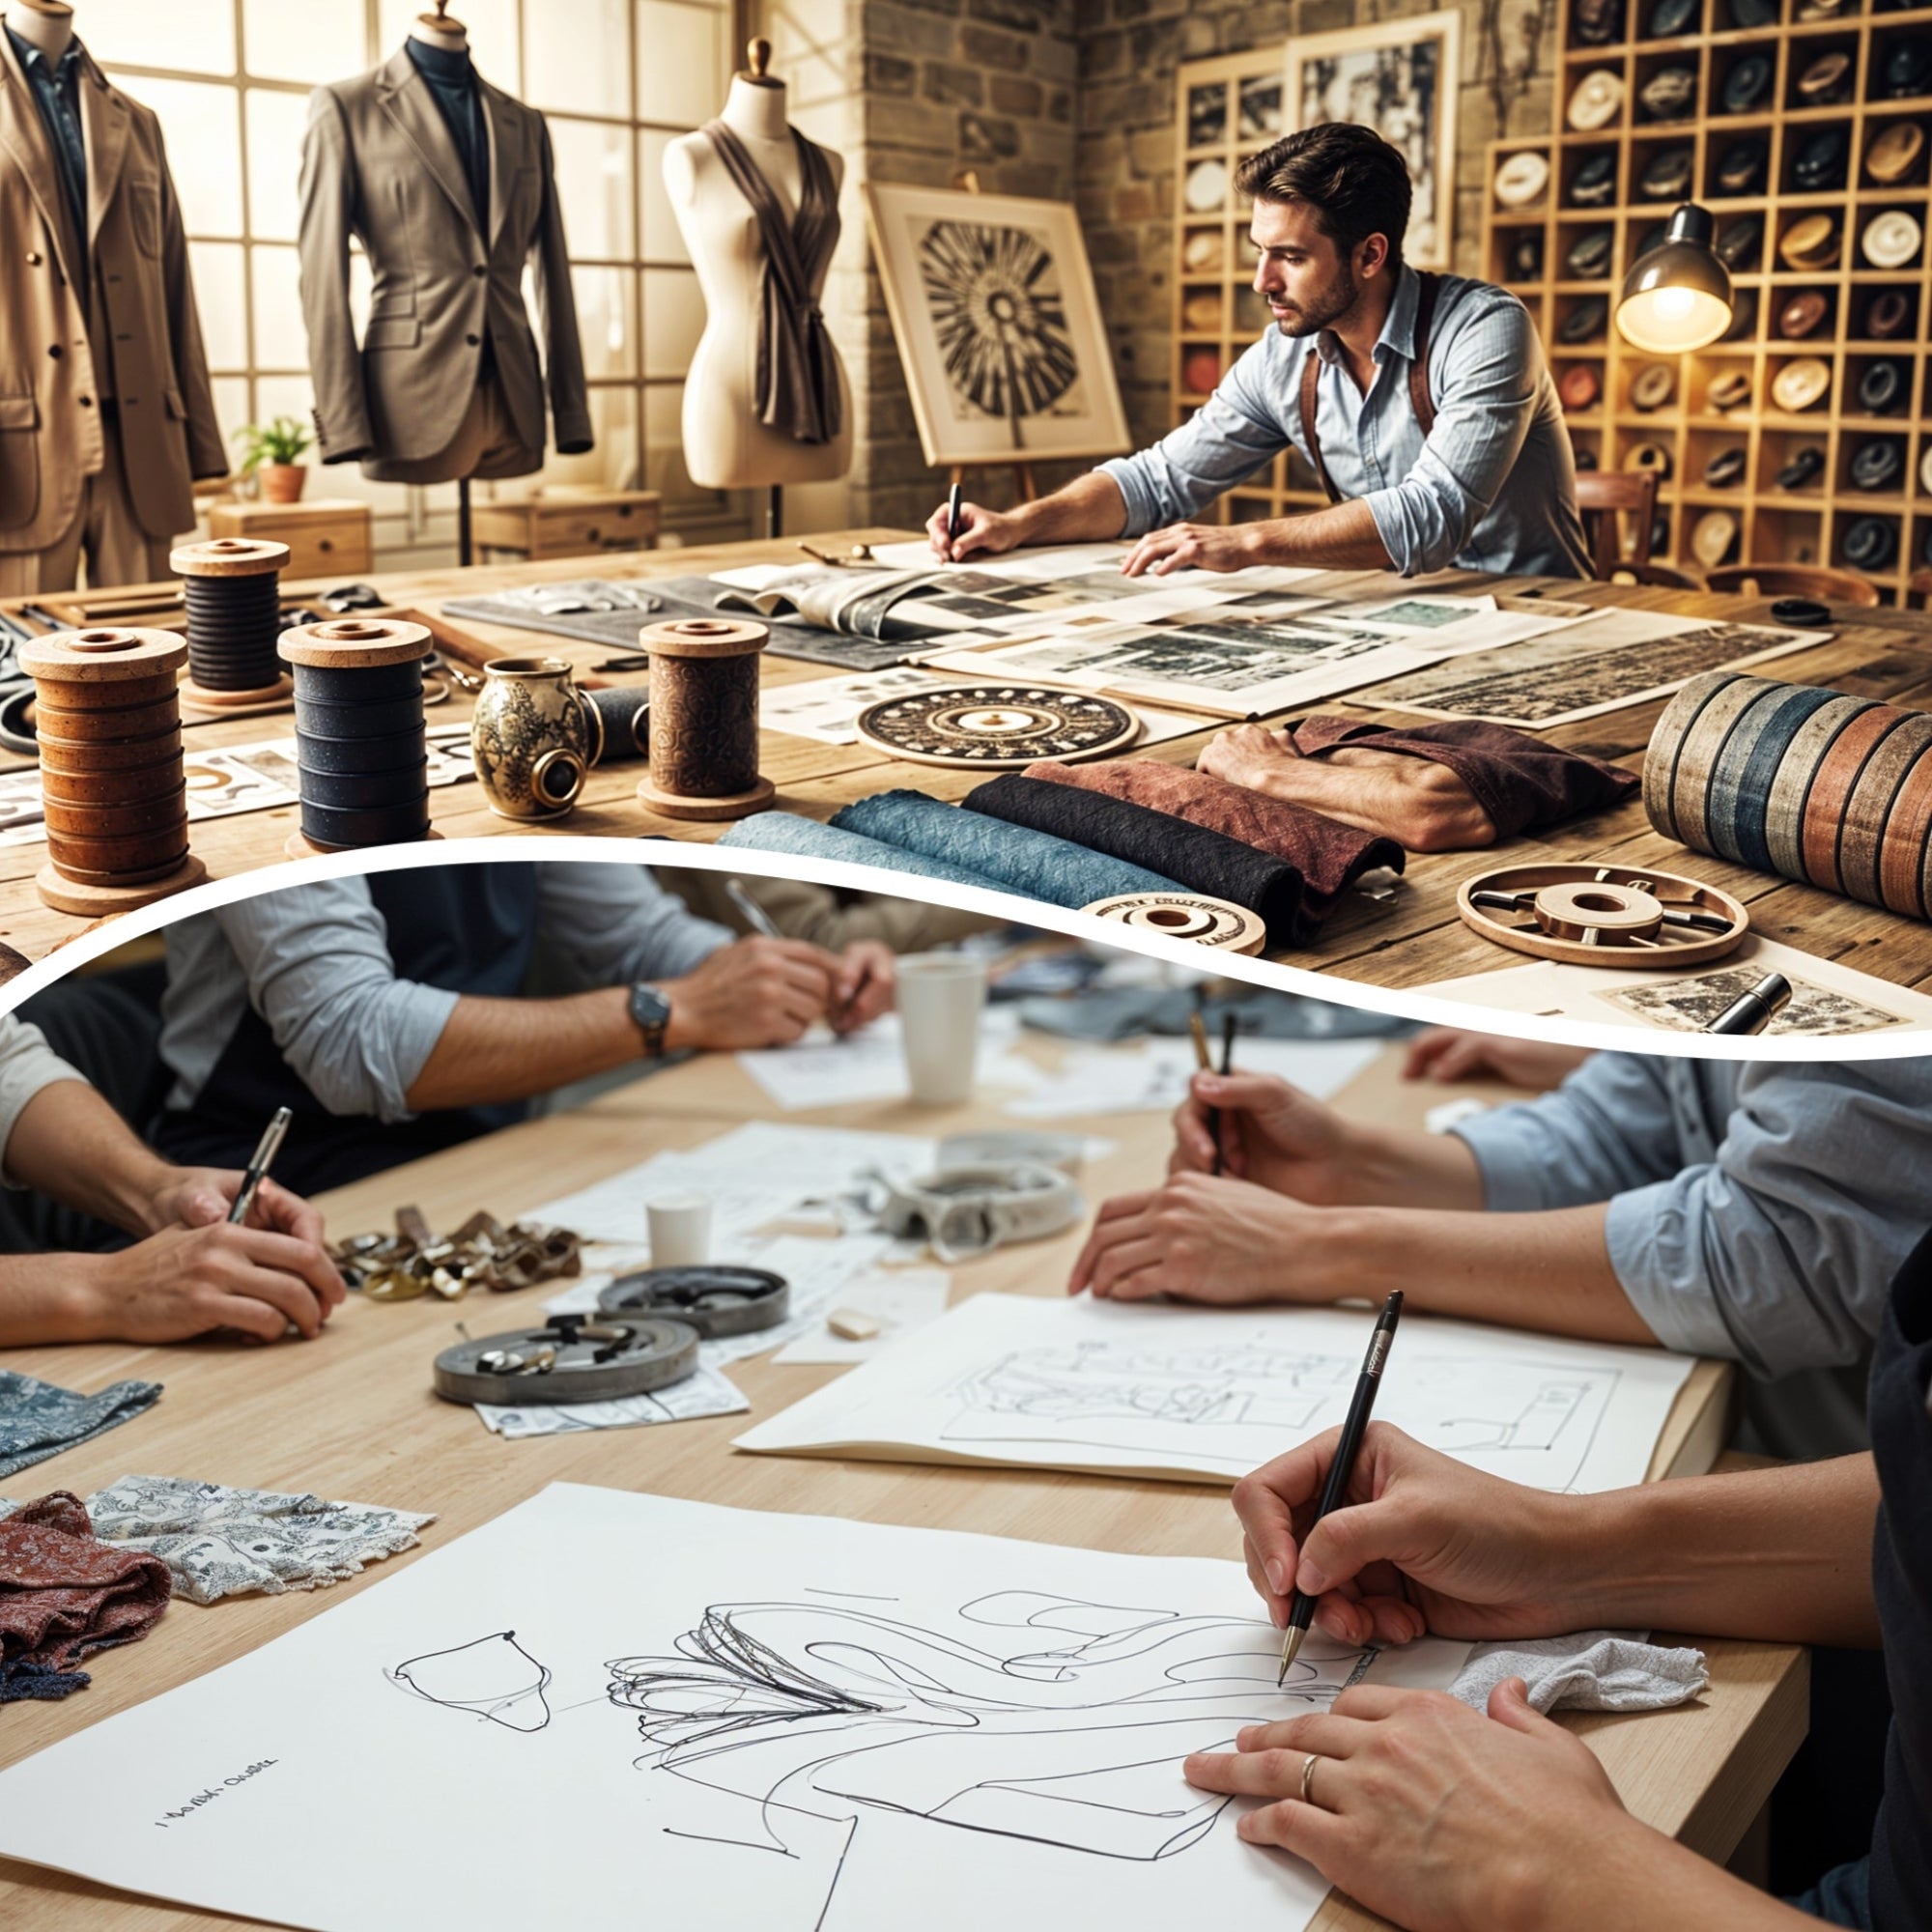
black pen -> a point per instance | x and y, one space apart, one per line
1753 1010
1228 1026
952 497
1342 1470
265 1149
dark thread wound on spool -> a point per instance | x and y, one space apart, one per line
360 746
620 717
232 588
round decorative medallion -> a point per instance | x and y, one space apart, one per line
997 727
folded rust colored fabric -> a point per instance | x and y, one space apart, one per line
1520 782
1327 853
64 1593
1202 859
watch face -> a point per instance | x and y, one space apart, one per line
650 1009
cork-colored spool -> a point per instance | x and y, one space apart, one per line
230 586
360 746
1192 916
703 725
115 798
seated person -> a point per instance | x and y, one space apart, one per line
385 1009
829 916
1448 1054
1720 1208
1486 482
189 1271
1436 1816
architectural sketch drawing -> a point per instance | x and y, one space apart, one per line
493 1678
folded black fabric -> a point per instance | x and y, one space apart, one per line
1202 861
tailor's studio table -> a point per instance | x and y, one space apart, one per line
1413 939
350 1415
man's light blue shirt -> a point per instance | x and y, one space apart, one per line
1493 487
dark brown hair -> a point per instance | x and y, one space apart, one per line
1357 183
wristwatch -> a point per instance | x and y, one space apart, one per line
652 1013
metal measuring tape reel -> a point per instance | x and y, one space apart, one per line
963 1211
570 1358
1602 915
714 1299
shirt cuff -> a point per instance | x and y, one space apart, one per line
1510 1153
414 1027
1641 1229
1143 511
1387 508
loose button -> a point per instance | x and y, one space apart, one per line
473 340
86 402
479 273
34 259
55 351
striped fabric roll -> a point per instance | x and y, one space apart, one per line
1813 785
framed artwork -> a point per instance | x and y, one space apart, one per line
998 325
1400 78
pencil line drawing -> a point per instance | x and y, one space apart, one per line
493 1677
1047 1718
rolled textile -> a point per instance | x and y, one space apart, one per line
1327 853
1812 784
1522 783
1062 872
787 832
1202 861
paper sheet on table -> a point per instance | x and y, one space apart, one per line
1152 1077
1449 625
703 1393
503 1736
1052 562
824 1071
1827 1000
901 1299
1183 1394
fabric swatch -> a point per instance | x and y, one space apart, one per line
39 1420
1042 864
1202 860
1522 783
1593 1671
64 1594
787 832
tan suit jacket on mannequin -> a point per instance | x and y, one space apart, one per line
58 462
378 162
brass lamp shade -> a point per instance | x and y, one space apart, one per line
1677 297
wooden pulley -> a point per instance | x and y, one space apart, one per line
1602 915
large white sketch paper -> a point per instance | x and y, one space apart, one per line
1160 1391
721 1719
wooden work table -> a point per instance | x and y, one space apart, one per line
350 1415
1411 939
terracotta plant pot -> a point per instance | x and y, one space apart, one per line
282 482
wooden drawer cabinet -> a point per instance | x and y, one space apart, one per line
330 537
569 524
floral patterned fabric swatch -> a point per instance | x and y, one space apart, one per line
65 1593
39 1420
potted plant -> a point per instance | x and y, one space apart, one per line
272 453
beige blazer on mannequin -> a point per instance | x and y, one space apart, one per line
378 162
50 388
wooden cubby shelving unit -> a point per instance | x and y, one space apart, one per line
1806 525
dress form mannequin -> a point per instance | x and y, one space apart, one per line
439 30
46 24
725 445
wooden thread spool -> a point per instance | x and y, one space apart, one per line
115 795
232 588
704 719
362 759
1185 916
620 717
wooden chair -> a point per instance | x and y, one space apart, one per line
1601 495
1662 576
1795 580
1919 585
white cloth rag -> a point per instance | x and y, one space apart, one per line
1591 1671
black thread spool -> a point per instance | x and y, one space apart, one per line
112 783
232 588
364 761
704 719
620 717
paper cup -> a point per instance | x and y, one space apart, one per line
680 1229
941 996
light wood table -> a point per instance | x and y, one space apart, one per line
352 1415
1408 940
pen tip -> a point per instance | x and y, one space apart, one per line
1289 1648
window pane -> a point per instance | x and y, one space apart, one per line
217 270
673 321
286 396
231 407
684 55
614 462
577 52
493 36
313 40
662 241
275 122
593 177
202 125
604 321
280 341
143 33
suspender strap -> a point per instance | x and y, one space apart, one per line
1419 397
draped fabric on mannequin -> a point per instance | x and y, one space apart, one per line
797 374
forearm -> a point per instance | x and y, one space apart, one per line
1342 537
45 1298
70 1144
495 1050
1396 1167
1091 509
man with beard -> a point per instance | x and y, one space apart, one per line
1422 403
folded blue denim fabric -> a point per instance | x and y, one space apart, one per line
786 831
1022 860
39 1420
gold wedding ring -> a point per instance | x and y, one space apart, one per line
1308 1765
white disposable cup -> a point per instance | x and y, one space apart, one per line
680 1229
941 996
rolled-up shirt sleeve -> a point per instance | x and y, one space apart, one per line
1491 375
615 926
1778 1252
1226 440
28 1064
320 972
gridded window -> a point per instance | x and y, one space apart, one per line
616 80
